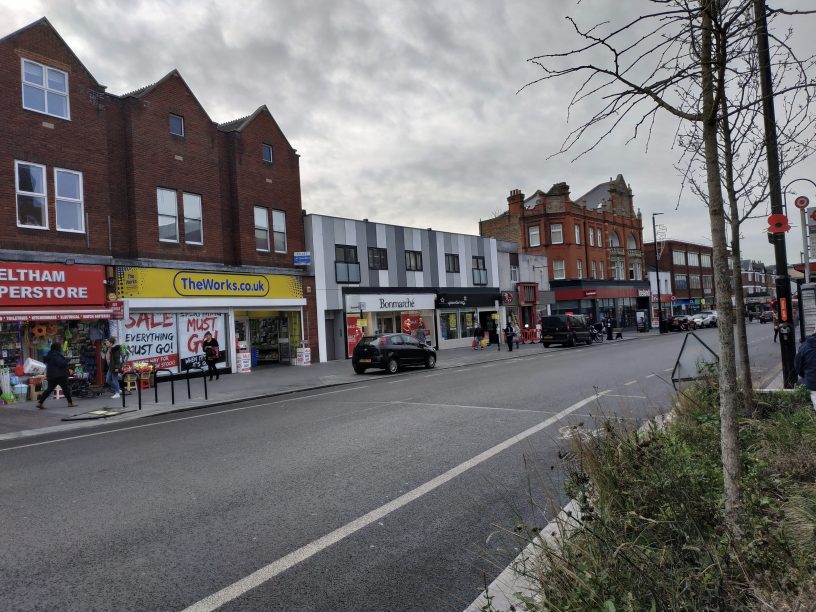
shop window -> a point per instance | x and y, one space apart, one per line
580 265
577 234
261 229
413 261
45 90
176 125
559 271
556 233
68 203
679 258
377 258
168 215
193 229
266 153
479 271
32 210
451 263
279 230
534 236
346 265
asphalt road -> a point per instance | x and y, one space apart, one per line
381 495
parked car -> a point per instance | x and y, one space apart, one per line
705 318
682 323
391 352
766 316
567 330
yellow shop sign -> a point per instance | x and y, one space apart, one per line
170 283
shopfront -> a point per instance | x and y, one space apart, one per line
169 311
622 304
44 303
460 312
370 314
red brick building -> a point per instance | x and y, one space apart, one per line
594 246
185 220
692 275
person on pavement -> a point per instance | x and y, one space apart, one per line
56 373
508 335
211 354
805 365
113 358
776 325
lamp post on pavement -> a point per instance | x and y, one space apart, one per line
660 326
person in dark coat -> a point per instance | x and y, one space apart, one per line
56 373
805 365
509 333
211 354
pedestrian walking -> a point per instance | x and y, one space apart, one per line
516 334
776 325
478 337
508 336
805 365
750 316
56 373
113 359
211 354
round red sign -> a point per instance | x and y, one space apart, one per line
801 202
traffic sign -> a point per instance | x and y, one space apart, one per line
801 202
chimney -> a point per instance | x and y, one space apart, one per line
515 203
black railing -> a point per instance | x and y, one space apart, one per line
171 379
203 377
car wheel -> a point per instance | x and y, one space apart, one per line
546 344
430 361
359 369
589 341
392 366
571 341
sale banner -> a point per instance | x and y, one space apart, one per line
152 338
191 328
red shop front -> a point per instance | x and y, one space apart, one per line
42 303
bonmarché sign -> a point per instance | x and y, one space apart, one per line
383 302
395 304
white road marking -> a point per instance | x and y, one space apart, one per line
297 399
632 396
651 375
393 382
432 375
465 406
668 369
631 382
186 418
266 573
489 365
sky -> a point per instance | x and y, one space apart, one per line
407 112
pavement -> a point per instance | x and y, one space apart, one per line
24 419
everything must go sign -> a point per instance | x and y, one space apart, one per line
191 327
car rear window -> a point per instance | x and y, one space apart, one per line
370 340
552 322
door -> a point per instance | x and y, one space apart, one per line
331 336
414 353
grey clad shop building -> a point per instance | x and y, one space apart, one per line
375 278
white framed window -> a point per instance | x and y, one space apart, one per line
68 202
176 125
514 273
594 269
168 215
266 153
279 230
601 269
694 259
577 234
694 281
557 234
591 235
580 269
261 229
32 207
679 258
193 221
635 272
681 281
559 272
618 272
45 90
600 237
707 283
534 236
706 260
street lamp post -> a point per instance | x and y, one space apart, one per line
660 326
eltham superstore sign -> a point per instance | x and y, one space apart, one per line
174 283
36 284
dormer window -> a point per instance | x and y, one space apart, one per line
266 153
176 125
45 90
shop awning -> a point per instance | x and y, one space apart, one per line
54 314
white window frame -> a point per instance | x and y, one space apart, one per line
170 125
559 229
580 268
514 274
600 237
184 196
264 148
591 233
80 201
677 256
43 195
577 234
45 89
559 269
705 260
256 227
601 270
275 231
594 269
534 230
681 281
160 214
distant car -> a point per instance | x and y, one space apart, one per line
567 330
766 316
682 323
390 352
706 318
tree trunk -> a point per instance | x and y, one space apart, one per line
729 403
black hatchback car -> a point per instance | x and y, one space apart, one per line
391 352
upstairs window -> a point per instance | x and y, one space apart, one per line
176 125
577 234
556 233
68 202
266 153
193 229
600 236
680 281
346 266
679 258
594 273
168 215
514 273
451 263
534 236
479 271
377 258
279 230
45 90
694 259
32 210
706 259
413 261
559 271
591 236
261 229
580 269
